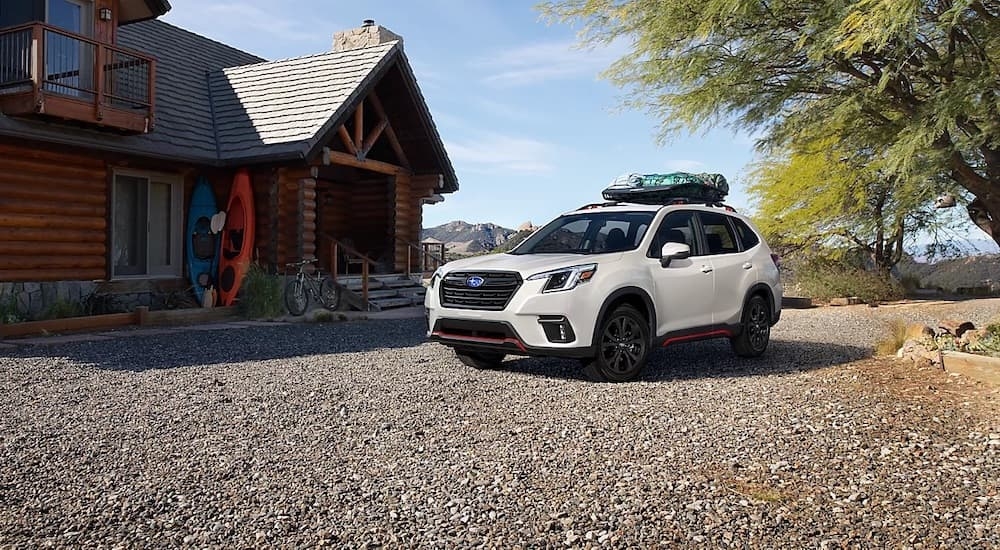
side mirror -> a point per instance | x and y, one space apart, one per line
674 251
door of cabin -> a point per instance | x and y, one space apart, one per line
69 61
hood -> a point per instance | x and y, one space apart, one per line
528 264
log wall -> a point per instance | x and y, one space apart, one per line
295 230
53 212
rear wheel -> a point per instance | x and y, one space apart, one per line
329 294
296 299
755 328
482 360
622 346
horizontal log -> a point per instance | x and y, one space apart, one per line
295 174
56 235
346 159
47 156
309 195
29 248
65 274
55 169
309 216
62 208
51 261
36 191
49 222
93 322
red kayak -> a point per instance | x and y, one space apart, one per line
237 239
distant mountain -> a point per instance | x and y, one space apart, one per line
971 271
469 238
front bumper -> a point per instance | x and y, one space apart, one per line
557 324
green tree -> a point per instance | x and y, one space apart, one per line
816 194
919 79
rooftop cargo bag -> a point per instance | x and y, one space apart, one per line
665 188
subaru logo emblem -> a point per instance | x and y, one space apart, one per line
474 282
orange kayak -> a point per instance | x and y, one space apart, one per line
236 245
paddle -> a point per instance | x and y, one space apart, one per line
218 222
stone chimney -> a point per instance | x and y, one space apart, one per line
369 34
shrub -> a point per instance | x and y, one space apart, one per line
894 340
61 309
261 295
9 312
825 279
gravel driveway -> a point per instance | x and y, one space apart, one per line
361 434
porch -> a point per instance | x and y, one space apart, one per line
45 70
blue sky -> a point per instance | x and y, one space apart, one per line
530 127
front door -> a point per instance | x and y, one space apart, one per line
684 291
69 61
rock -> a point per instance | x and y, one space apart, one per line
849 301
955 327
971 337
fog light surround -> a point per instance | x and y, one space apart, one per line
557 329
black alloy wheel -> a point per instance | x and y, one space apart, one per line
755 328
623 346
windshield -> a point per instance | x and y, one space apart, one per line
589 233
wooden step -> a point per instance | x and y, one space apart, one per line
389 303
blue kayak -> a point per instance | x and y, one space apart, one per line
202 245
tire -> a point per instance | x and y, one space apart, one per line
329 294
482 360
296 299
623 346
755 328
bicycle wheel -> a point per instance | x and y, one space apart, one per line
296 299
329 294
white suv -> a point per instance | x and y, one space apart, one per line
606 283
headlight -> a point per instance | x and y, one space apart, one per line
566 278
437 276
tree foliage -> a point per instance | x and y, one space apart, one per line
819 194
916 80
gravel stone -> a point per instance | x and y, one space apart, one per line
362 434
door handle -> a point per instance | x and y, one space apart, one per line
748 265
706 269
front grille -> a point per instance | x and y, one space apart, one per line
496 291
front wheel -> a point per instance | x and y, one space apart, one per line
622 347
296 299
755 329
329 294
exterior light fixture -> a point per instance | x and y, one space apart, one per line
105 14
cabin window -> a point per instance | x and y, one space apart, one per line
146 233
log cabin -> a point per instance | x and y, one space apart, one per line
108 116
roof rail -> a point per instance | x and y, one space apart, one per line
599 205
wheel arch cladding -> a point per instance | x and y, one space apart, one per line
634 296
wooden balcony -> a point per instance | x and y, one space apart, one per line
48 71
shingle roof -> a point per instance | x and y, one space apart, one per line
284 106
221 106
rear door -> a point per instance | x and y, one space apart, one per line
683 292
734 272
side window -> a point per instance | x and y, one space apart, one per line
676 227
748 239
718 233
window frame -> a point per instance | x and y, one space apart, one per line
177 191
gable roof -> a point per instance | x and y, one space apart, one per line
283 106
221 106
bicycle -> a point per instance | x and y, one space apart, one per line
304 286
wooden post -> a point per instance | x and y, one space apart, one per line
364 284
333 260
142 315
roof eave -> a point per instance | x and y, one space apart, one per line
156 9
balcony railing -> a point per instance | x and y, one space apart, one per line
46 70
